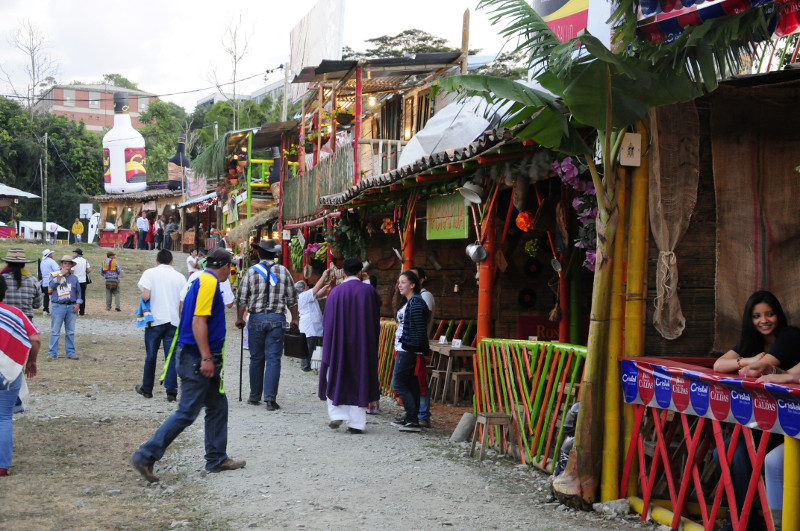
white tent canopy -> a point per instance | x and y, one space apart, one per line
10 191
32 230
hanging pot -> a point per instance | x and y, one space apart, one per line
477 252
344 118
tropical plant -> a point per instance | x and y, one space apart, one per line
589 93
348 236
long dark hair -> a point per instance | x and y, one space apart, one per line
752 341
413 278
16 272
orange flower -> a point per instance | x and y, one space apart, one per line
525 221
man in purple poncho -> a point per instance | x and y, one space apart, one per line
348 375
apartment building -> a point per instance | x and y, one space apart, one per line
94 104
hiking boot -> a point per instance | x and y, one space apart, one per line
228 464
145 470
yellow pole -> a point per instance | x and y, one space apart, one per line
636 273
609 484
791 483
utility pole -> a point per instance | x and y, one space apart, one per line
44 193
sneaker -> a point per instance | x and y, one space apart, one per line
145 470
117 309
412 427
143 392
306 369
172 397
401 419
425 423
45 312
271 405
355 431
334 424
228 464
73 357
399 423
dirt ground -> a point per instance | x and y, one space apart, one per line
83 420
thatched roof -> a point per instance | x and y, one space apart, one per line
145 195
243 230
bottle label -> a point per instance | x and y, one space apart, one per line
106 165
135 171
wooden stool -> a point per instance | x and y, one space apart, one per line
436 384
465 377
488 420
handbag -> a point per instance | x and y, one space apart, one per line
295 344
88 280
112 284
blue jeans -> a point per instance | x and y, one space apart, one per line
197 392
424 405
406 383
9 391
142 237
312 342
773 477
266 348
62 313
167 241
153 335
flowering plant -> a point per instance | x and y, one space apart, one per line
585 204
333 113
532 247
347 236
293 150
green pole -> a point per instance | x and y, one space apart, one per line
249 157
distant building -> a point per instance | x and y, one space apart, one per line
273 90
94 104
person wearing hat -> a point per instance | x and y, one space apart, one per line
265 291
47 268
201 338
23 288
311 314
81 270
110 271
65 296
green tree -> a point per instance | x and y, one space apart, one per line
604 92
410 41
509 65
164 121
119 80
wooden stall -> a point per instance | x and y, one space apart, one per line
121 210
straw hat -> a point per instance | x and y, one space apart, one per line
16 255
67 258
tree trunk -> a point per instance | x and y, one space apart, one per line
578 485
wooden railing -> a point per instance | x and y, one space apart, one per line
331 175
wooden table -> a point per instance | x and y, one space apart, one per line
447 351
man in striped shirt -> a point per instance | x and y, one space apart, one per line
265 291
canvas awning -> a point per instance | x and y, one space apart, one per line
10 191
196 200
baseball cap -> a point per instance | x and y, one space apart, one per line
217 257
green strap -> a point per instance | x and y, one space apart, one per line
171 350
222 370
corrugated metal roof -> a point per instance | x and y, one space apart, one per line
487 143
422 63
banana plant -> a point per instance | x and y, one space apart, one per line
584 95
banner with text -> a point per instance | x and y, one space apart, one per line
447 218
693 390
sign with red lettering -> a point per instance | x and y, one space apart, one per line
447 218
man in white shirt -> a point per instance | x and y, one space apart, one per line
81 270
191 263
143 225
47 267
161 286
224 287
311 314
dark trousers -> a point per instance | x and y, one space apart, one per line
312 342
45 299
83 298
142 237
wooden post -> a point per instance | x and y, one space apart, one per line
464 42
486 278
791 483
249 157
357 126
301 157
408 241
609 483
305 256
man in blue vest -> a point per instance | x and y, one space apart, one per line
266 291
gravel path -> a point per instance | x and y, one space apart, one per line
302 474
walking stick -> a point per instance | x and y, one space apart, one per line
241 363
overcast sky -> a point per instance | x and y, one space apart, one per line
170 46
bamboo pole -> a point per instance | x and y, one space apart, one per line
637 276
408 242
791 483
609 486
486 280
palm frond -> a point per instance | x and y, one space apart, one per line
211 161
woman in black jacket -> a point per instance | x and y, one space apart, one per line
411 343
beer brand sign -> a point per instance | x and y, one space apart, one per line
447 218
693 390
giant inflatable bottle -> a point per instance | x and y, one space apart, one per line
123 152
